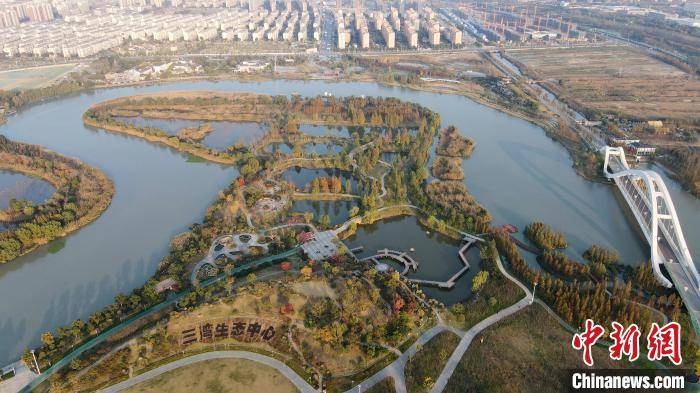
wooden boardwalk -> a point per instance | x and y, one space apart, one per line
469 240
398 256
409 263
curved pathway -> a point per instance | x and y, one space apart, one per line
293 377
463 345
395 370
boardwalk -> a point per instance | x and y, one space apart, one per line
449 283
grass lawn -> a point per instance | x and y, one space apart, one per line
222 375
423 368
527 352
32 78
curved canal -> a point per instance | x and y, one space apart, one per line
516 172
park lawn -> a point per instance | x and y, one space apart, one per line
526 352
425 366
221 375
32 78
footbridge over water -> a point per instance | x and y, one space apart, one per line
649 200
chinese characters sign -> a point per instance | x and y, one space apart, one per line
662 342
239 329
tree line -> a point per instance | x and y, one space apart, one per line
544 236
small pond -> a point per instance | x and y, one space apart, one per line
435 253
15 185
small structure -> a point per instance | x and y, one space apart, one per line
639 149
168 284
305 237
320 246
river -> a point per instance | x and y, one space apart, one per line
516 172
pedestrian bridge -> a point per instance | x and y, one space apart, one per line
649 200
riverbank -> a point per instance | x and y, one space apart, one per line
363 77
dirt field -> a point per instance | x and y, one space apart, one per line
527 352
456 62
213 376
31 78
615 79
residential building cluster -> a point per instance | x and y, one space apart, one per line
85 33
13 12
409 28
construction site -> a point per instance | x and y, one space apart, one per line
511 23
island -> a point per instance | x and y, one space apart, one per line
82 194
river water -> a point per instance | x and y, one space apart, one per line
516 172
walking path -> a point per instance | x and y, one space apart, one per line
463 345
395 370
298 381
452 280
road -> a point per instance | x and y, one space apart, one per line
550 101
298 381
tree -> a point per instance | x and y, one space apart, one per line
47 339
306 271
230 281
76 364
397 303
251 278
479 280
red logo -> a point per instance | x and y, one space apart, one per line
587 339
625 342
665 342
662 342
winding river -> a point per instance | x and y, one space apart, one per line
516 172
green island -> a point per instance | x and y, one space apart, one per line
82 194
257 277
